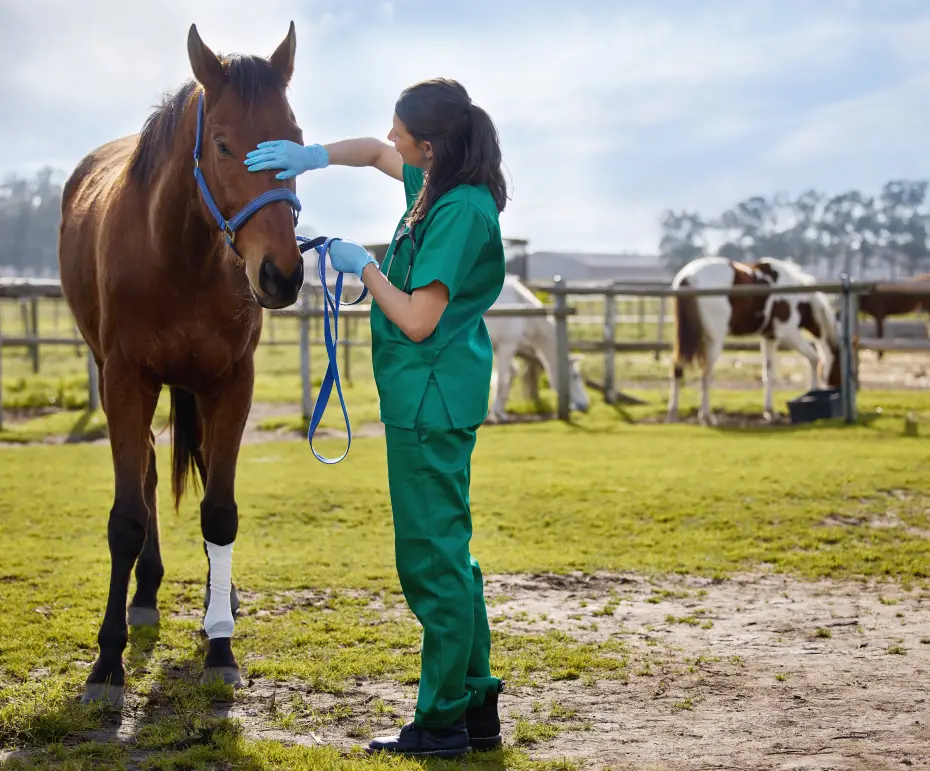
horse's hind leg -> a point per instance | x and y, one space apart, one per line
130 405
143 610
705 416
224 411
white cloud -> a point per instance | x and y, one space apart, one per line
581 101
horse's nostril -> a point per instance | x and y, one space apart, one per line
268 276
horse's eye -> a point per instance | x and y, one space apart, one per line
221 146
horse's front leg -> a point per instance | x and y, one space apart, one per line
705 416
504 356
769 348
224 410
130 404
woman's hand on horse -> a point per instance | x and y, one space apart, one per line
283 154
349 257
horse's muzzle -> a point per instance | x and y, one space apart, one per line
278 290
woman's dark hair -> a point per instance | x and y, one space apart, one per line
466 148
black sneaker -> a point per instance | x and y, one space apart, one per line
484 723
450 742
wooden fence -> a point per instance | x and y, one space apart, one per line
305 309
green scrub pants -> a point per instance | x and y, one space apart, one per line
429 470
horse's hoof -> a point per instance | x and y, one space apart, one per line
110 696
139 616
227 675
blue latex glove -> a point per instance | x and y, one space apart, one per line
283 154
349 257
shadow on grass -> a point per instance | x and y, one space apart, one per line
83 430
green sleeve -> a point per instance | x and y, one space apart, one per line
453 241
413 181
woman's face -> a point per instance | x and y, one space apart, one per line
413 152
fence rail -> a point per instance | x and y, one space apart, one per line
560 287
33 290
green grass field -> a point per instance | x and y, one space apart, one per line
325 637
597 495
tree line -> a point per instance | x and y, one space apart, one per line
849 232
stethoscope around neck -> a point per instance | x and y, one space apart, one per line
407 234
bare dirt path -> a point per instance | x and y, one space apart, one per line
755 672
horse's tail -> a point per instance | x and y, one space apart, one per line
827 320
186 455
689 332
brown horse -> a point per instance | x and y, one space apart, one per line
878 306
167 291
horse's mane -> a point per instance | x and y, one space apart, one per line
792 269
250 77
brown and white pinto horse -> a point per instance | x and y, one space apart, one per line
703 323
168 250
878 306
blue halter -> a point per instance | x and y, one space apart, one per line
330 303
229 227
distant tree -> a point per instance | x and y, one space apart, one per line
746 229
683 238
904 221
30 213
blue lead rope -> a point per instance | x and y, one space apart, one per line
331 338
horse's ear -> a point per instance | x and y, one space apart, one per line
283 57
206 66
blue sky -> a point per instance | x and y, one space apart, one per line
609 112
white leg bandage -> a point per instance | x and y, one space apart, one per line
219 620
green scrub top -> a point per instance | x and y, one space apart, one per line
459 244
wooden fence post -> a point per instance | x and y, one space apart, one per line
661 333
562 350
303 322
34 323
848 301
346 351
610 327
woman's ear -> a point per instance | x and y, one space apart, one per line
427 149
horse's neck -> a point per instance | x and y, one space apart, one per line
176 224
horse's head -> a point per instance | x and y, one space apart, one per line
245 103
577 395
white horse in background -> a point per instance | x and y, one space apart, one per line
533 339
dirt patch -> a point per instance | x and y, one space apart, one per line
726 419
802 675
753 672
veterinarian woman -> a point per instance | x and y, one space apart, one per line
432 357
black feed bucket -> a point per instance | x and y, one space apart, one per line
818 404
